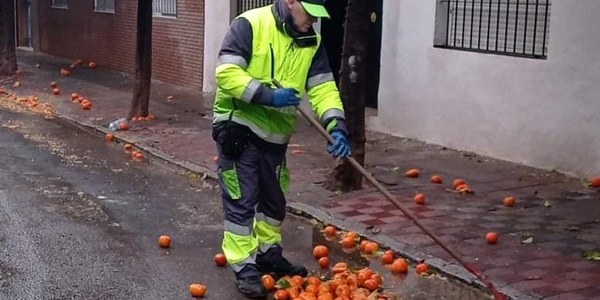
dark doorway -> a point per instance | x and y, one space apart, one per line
333 37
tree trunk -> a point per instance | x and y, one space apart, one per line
8 52
353 90
143 61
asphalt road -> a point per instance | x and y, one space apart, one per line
79 219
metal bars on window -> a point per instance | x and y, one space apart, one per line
511 27
104 5
60 3
165 8
244 5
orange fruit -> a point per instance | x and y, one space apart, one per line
366 273
311 289
412 173
491 237
339 268
325 296
371 247
268 282
509 201
164 241
400 266
370 285
464 188
595 182
324 262
387 259
378 278
74 96
297 280
458 182
127 146
420 199
86 105
138 155
314 280
320 251
362 245
92 65
436 179
294 292
421 268
109 137
330 231
220 260
282 295
348 242
197 290
56 91
53 84
352 234
343 290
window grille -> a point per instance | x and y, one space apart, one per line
60 4
509 27
104 5
164 8
244 5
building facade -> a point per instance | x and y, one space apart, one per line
105 31
511 79
495 77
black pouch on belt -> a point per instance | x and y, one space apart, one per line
233 139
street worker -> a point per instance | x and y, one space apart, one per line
253 123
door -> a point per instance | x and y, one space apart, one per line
332 31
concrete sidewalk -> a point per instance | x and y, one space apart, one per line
558 213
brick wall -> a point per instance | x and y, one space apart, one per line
109 39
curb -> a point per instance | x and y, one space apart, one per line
449 269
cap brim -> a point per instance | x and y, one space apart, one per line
315 10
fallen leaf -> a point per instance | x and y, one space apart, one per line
528 240
592 254
573 228
298 151
375 230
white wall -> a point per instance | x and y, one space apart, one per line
217 16
544 113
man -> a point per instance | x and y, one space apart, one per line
253 123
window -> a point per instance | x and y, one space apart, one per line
244 5
164 8
508 27
59 4
104 6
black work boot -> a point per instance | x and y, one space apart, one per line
249 283
273 261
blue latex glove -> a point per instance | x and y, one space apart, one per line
285 97
341 147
